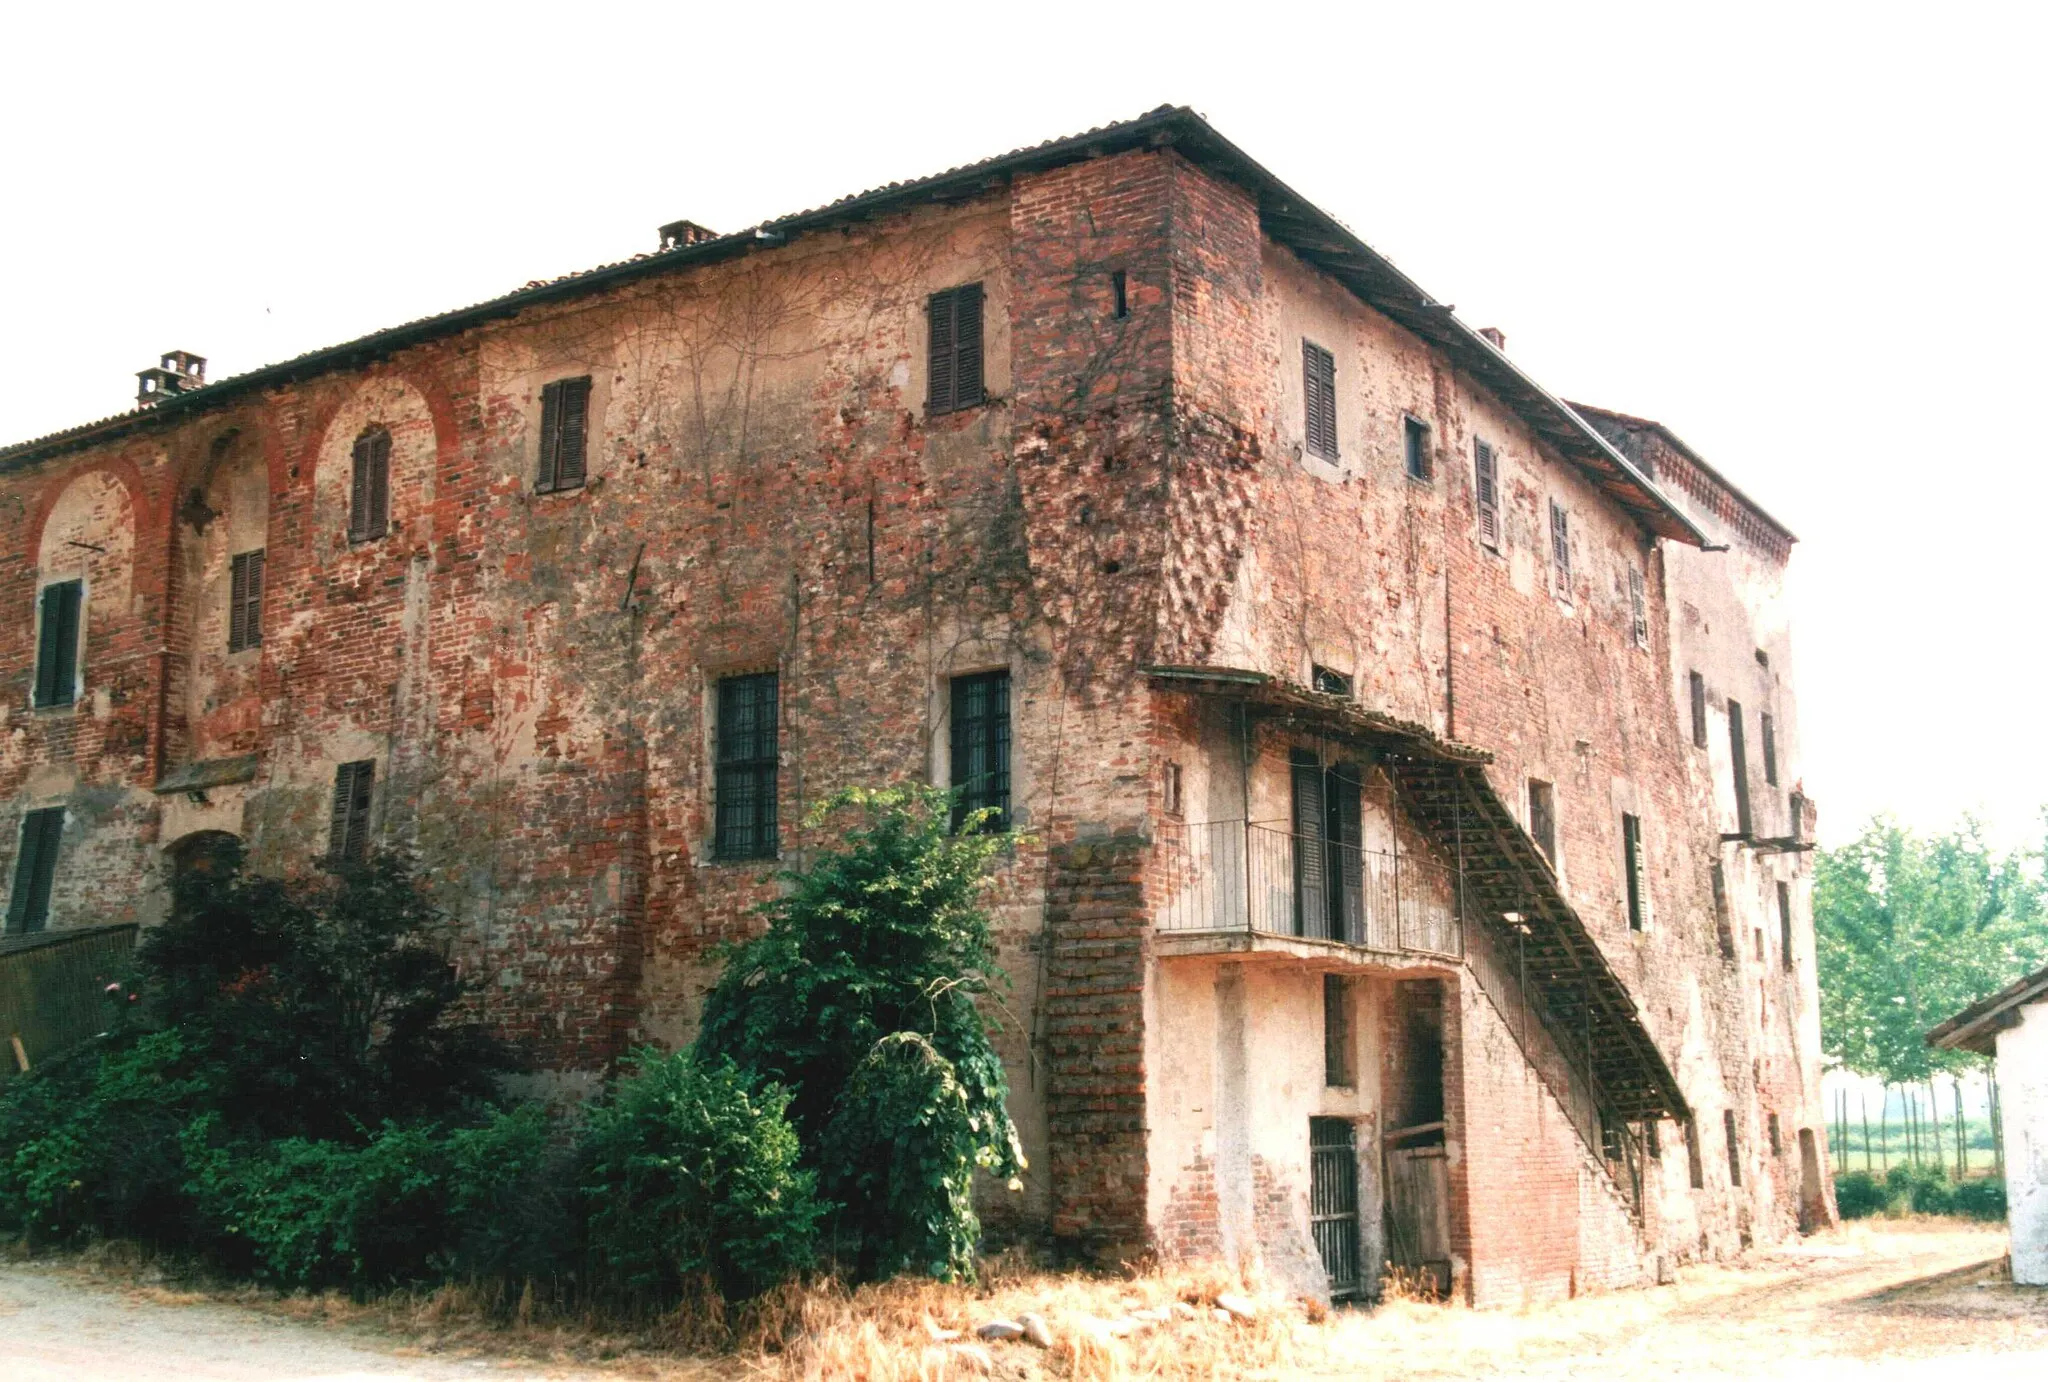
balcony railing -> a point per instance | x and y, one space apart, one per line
1235 876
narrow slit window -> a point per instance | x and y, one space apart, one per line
1639 610
1738 754
245 601
1697 685
1543 819
58 620
564 434
1119 296
348 829
1319 391
745 823
1734 1149
1777 1136
1632 867
953 354
369 492
1695 1167
980 741
35 870
1486 494
1785 925
1415 448
1724 926
1770 732
1171 792
1336 1032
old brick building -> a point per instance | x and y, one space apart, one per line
1406 758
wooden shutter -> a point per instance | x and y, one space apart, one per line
564 429
967 391
380 485
1346 868
369 501
1561 547
57 644
1311 879
1486 488
1638 609
348 831
550 436
1632 864
1319 392
35 869
939 353
245 601
1738 751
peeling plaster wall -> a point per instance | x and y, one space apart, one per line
2023 1102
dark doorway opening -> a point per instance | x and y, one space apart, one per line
1333 1204
1417 1161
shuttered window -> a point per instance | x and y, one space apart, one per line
1632 868
954 349
1336 1032
1561 548
1639 612
1415 448
1738 752
57 622
348 828
1319 389
980 740
1486 491
564 428
746 824
245 601
1770 730
1697 685
369 492
1543 819
35 869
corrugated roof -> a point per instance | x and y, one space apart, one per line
1291 219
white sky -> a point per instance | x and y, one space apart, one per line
1807 238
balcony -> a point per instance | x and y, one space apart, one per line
1235 886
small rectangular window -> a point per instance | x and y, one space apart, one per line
57 627
1171 791
1695 1170
245 601
953 350
1697 684
1734 1150
348 828
1415 448
1336 1032
1777 1137
980 741
745 824
1561 548
1738 754
1632 867
35 869
1119 296
1486 493
564 433
1329 681
1653 1140
1785 925
1543 819
1770 732
369 489
1319 389
1639 610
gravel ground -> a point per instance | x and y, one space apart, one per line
1869 1304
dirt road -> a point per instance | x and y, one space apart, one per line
1868 1304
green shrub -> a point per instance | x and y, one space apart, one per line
1858 1195
884 934
692 1173
1981 1199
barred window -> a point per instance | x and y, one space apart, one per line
369 491
981 747
749 708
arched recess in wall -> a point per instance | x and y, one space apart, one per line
393 405
221 531
202 857
88 534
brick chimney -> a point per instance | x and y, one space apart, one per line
178 371
1497 336
677 234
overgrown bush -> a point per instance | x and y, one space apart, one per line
884 934
1981 1199
1918 1190
693 1175
1858 1195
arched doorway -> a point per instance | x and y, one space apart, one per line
202 860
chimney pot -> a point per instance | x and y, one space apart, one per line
677 234
176 371
1497 336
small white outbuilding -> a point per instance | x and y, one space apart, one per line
2011 1026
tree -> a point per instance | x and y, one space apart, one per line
1909 930
861 999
